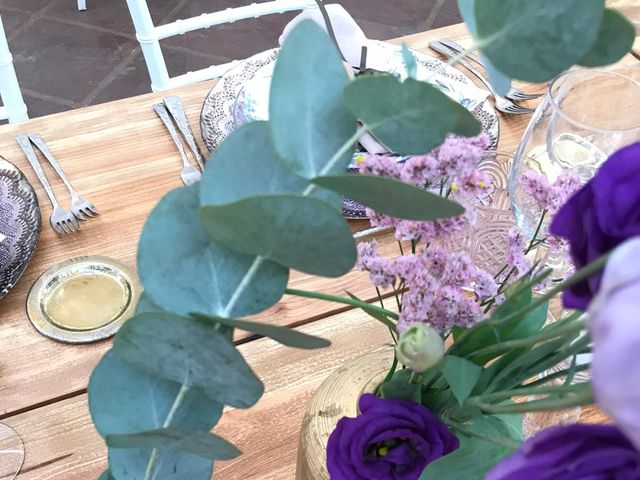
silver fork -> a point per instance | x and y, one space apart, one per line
513 94
189 174
61 221
177 112
502 104
81 208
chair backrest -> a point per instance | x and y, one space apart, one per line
14 108
150 35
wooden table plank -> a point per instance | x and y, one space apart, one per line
61 443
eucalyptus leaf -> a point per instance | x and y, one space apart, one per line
195 442
183 271
146 304
461 375
106 476
308 118
615 39
530 41
298 232
389 196
246 165
123 399
286 336
191 352
131 464
409 60
410 117
500 81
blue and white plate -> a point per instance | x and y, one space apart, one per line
242 95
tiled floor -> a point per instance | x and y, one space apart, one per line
67 59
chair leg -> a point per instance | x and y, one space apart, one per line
14 105
82 5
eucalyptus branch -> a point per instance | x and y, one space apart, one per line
346 301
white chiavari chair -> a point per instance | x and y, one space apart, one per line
13 107
149 36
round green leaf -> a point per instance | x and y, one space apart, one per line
535 41
410 117
615 39
392 197
306 110
183 271
284 335
298 232
191 352
195 442
246 164
123 399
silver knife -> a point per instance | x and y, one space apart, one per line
176 109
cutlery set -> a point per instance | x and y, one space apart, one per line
62 221
505 104
171 110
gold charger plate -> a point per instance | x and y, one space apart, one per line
83 299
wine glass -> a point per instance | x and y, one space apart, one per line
585 116
11 453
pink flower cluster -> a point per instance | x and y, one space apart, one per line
454 162
550 196
434 282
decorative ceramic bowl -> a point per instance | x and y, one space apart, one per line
20 224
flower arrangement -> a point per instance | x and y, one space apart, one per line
269 201
469 386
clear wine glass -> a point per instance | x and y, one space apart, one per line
586 115
11 453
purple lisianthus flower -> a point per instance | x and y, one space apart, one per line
615 329
572 452
389 440
603 214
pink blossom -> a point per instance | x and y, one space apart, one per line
460 270
550 196
380 268
515 256
486 286
420 169
380 165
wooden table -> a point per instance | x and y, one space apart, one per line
119 155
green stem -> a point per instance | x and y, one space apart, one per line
581 398
389 375
556 375
525 342
327 22
336 157
528 390
577 277
346 301
153 458
503 442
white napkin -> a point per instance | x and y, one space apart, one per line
350 36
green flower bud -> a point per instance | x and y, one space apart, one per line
419 347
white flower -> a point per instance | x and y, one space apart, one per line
419 347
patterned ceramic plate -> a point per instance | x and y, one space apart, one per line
241 95
19 224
